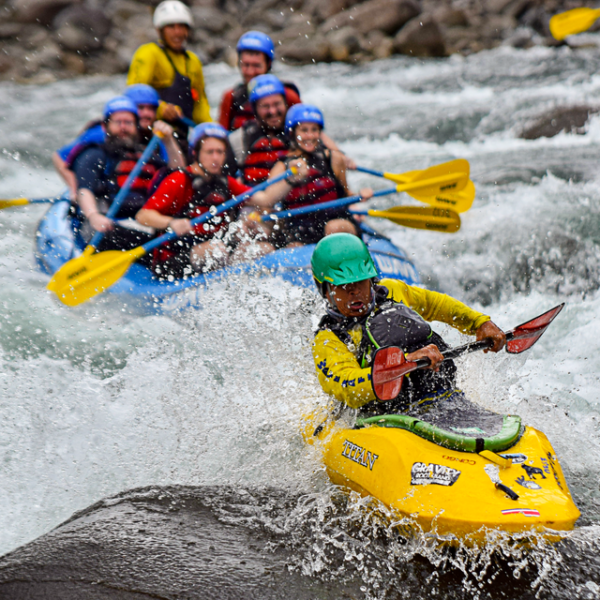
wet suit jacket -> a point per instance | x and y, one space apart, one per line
337 362
155 66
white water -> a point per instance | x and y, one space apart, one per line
97 399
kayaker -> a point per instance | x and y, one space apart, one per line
321 178
185 194
256 53
260 143
101 169
176 73
147 100
365 313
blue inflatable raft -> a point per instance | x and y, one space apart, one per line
57 243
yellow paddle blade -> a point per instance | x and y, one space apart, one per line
459 202
573 21
95 274
451 176
432 219
70 269
13 202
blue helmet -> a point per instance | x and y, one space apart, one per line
142 93
256 41
205 130
263 86
117 104
303 113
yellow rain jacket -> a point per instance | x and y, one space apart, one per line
150 65
338 369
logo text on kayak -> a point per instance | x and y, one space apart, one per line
359 455
422 474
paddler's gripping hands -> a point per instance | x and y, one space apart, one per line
431 352
489 330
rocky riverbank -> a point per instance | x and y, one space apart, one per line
45 40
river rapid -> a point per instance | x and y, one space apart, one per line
101 398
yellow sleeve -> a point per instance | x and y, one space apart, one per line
433 306
143 66
339 372
201 107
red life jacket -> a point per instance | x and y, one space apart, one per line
262 151
207 193
321 185
241 111
127 163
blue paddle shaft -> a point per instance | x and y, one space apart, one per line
120 197
370 171
286 214
187 122
167 237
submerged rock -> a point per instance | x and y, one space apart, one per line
175 542
570 119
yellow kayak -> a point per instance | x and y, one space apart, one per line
447 481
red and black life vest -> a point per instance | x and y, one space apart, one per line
208 192
321 185
241 110
126 163
262 151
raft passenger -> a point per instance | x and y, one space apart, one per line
174 72
256 53
321 178
365 313
186 194
260 143
102 168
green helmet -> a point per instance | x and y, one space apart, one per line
341 258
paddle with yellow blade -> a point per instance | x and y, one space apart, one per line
7 203
573 21
458 201
97 272
75 265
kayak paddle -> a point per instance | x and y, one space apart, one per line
459 201
24 201
97 272
390 364
573 21
436 219
75 265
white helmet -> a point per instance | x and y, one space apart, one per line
171 12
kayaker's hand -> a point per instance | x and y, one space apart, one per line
100 223
181 226
164 128
490 330
431 352
171 112
365 194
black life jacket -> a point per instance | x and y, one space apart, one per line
262 151
393 323
321 185
242 110
180 91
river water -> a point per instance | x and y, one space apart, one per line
99 398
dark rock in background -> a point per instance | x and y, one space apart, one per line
44 40
570 119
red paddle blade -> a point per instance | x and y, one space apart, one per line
526 335
389 368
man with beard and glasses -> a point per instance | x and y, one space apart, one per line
147 100
262 142
101 170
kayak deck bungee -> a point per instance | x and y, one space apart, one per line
439 478
57 243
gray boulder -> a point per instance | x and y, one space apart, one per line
421 36
386 15
81 29
570 119
305 50
39 11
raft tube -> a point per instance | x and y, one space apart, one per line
57 242
438 479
